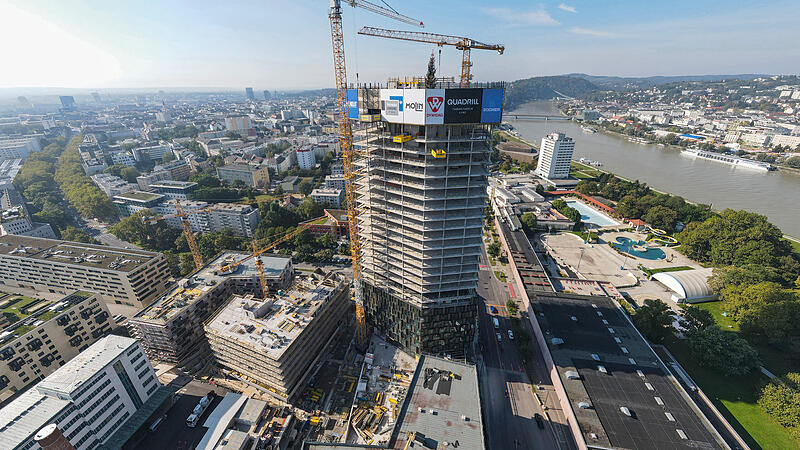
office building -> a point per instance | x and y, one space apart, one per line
254 176
45 335
249 93
267 95
17 220
328 196
9 169
273 342
171 329
178 169
18 147
423 194
306 158
94 399
144 181
177 190
112 185
132 202
67 102
237 123
154 152
118 275
555 156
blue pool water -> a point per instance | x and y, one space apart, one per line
591 216
626 245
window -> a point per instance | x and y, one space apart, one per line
127 384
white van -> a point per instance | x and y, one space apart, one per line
191 421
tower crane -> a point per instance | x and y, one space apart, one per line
187 228
346 143
464 44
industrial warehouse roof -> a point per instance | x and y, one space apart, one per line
75 253
604 365
27 414
443 407
688 285
188 290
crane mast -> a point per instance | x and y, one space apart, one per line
346 144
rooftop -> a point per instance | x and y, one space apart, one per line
605 365
27 414
139 196
444 406
272 325
39 310
74 253
188 290
173 184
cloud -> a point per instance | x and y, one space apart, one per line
590 32
567 8
536 17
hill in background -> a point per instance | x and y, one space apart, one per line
545 88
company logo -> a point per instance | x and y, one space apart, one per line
398 99
415 106
435 103
353 103
463 102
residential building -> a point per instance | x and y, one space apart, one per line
555 156
171 329
179 169
18 147
254 176
786 141
153 151
9 169
112 185
241 219
290 183
123 276
93 159
17 220
178 190
334 182
250 336
337 169
135 201
330 197
237 123
45 335
422 210
144 181
93 399
306 158
123 158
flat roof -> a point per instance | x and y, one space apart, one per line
139 196
69 377
272 325
188 290
173 184
443 406
530 269
27 414
604 362
75 253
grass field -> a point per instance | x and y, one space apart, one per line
736 397
650 272
795 246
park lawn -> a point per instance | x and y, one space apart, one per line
795 246
580 175
650 272
736 398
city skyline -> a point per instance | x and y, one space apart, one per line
286 45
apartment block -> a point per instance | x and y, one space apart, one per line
112 185
178 169
45 335
274 342
179 190
133 202
421 201
306 158
118 275
171 329
94 399
241 219
18 147
328 196
144 181
254 176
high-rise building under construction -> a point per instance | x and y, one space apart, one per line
421 197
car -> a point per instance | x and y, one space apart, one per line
493 309
499 337
539 420
511 335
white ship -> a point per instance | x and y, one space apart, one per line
588 129
728 159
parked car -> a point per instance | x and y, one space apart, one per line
511 335
499 337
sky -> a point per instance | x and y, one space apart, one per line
285 44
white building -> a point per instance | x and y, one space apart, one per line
334 182
17 221
786 140
123 158
325 196
90 398
555 156
240 123
112 185
18 147
306 158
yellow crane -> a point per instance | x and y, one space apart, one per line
187 228
346 143
464 44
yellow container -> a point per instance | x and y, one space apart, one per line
400 138
438 153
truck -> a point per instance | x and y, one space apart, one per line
199 409
496 323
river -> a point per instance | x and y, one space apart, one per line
774 194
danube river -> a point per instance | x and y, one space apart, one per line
774 194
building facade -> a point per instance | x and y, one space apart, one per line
421 210
90 398
328 196
144 181
18 147
178 169
306 158
117 275
133 202
254 176
555 156
46 335
237 124
176 190
112 185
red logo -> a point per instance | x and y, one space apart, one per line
435 103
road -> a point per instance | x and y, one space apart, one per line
100 232
509 418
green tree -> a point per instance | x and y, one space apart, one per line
744 275
304 238
168 156
793 162
494 249
695 319
654 320
780 398
152 236
327 240
528 220
129 174
723 351
73 234
430 76
309 209
587 187
661 217
205 179
305 187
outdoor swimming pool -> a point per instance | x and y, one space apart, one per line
627 245
591 216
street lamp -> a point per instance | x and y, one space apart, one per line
579 260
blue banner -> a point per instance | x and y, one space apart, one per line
352 103
492 106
